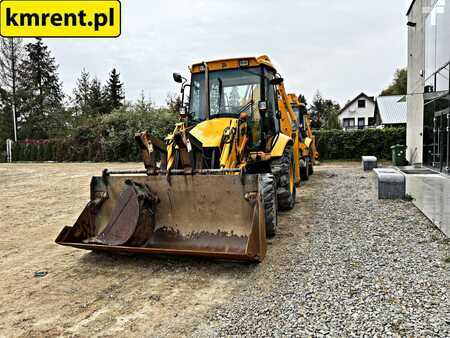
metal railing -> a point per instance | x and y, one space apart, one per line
359 127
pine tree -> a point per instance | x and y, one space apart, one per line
41 96
322 110
11 54
98 101
82 95
173 102
6 122
114 91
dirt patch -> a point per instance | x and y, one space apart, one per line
49 290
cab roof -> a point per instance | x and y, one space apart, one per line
233 63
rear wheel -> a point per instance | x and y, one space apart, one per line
283 169
311 168
269 189
304 170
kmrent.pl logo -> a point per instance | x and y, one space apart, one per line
68 18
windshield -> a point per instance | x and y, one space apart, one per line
231 92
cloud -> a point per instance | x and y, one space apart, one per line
339 47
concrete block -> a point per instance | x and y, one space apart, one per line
391 184
369 163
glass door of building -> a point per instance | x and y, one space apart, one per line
441 136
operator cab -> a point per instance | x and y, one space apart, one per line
301 112
236 88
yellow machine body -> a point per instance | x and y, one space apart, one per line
308 145
203 192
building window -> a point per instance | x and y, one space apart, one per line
361 122
349 123
361 103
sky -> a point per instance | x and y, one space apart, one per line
339 47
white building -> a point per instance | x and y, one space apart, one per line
428 129
358 113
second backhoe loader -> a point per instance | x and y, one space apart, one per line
213 187
308 147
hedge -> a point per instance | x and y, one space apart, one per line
108 138
351 145
69 151
332 145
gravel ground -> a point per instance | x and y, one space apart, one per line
355 267
342 263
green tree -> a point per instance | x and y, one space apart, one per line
98 100
11 55
42 114
333 119
173 102
399 85
323 111
82 94
114 91
142 103
6 122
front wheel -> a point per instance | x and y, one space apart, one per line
269 196
283 169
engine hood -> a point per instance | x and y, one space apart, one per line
210 132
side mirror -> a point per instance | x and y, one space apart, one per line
277 81
177 78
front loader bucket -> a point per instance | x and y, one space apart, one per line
218 216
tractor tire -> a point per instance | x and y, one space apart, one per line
304 170
269 195
283 169
311 168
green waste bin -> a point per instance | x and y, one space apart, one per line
399 155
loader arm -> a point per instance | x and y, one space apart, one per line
149 146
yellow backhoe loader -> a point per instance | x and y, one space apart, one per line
308 147
213 187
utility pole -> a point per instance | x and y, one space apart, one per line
13 66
